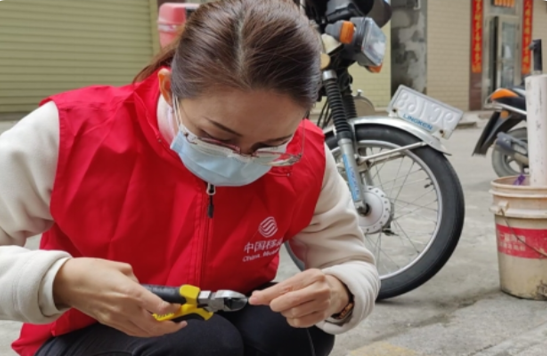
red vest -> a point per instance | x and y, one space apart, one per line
122 194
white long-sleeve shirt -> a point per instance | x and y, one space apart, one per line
332 242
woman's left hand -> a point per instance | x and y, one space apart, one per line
305 299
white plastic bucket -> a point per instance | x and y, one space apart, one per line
521 229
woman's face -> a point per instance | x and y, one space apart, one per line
249 120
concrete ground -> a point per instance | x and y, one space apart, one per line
461 310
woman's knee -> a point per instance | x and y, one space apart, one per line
290 342
267 333
293 342
215 337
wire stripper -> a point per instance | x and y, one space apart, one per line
195 303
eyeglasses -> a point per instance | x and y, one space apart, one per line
270 156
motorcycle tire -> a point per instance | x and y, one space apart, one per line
452 217
500 161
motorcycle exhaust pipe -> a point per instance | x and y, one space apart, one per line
508 145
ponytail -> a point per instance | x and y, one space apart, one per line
162 59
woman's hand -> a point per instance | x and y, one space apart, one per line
305 299
110 293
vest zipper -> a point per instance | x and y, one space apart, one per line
211 190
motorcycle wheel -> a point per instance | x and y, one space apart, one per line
402 271
506 166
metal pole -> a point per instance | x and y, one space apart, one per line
538 56
536 106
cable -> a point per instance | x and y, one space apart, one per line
312 348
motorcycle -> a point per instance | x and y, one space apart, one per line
510 145
510 149
372 150
411 222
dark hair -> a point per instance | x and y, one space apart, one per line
246 45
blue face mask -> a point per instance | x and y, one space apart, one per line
218 170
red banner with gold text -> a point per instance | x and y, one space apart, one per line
527 36
476 36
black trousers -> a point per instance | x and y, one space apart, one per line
253 331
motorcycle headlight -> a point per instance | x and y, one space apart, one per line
363 40
369 42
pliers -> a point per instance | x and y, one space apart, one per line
195 303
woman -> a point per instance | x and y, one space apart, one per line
195 174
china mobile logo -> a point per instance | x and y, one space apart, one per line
261 249
268 227
259 246
264 248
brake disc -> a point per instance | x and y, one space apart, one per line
380 212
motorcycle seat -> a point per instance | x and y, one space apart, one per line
518 102
519 90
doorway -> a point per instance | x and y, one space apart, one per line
504 52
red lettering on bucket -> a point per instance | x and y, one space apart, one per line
509 244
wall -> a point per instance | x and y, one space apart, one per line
448 51
539 27
409 45
57 45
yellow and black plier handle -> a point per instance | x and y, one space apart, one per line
195 303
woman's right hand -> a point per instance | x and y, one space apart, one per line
110 293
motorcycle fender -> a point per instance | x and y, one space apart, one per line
422 135
495 125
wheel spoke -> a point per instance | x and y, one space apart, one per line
379 245
396 175
417 199
411 173
409 239
402 215
420 197
404 181
380 242
412 182
418 233
378 172
380 251
418 207
429 218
